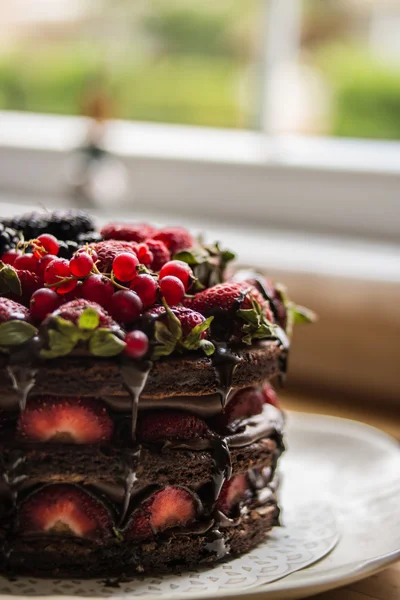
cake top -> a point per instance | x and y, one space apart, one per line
131 290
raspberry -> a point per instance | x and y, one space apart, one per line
71 311
81 264
45 244
30 282
188 318
178 269
144 255
10 257
26 262
125 306
137 344
43 302
97 288
175 238
172 289
146 288
58 275
160 253
136 232
108 250
11 310
125 266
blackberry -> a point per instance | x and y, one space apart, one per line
63 224
9 238
89 238
67 248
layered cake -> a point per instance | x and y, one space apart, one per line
139 428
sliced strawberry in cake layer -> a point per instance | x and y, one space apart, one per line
63 509
161 425
245 403
171 506
270 395
66 420
232 492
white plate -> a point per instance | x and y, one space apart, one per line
351 467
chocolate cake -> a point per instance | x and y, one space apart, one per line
140 431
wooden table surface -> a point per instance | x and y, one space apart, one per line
386 584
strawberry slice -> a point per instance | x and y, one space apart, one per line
64 509
171 506
245 403
158 426
67 420
270 395
232 493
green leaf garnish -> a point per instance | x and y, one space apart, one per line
9 280
15 333
301 314
59 345
104 343
89 319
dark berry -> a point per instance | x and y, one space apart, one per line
97 288
146 288
58 276
9 238
125 306
179 269
26 262
81 264
137 344
43 302
63 224
67 249
89 238
125 266
172 289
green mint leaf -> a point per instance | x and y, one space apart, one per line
59 345
161 350
249 315
9 280
15 333
174 324
195 256
207 347
227 256
104 343
89 319
68 329
301 314
192 340
163 335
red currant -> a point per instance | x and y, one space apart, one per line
172 289
137 344
43 262
47 244
125 265
97 288
125 306
43 302
10 257
146 288
81 264
179 269
144 255
26 262
88 250
55 274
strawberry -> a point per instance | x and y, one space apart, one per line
107 250
18 284
64 509
11 310
232 493
73 310
171 506
178 328
168 424
240 301
175 239
270 396
67 420
160 252
136 232
245 403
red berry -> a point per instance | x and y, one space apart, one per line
10 256
146 288
48 244
26 262
137 344
125 306
125 266
81 264
43 302
179 269
160 253
43 263
144 255
58 271
97 288
172 289
88 250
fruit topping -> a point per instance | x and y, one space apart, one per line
169 424
62 224
58 276
43 302
270 396
172 290
175 239
136 232
9 239
72 311
232 492
81 264
11 310
125 266
171 506
65 420
245 403
125 306
179 269
64 510
146 287
160 252
108 250
99 289
137 344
